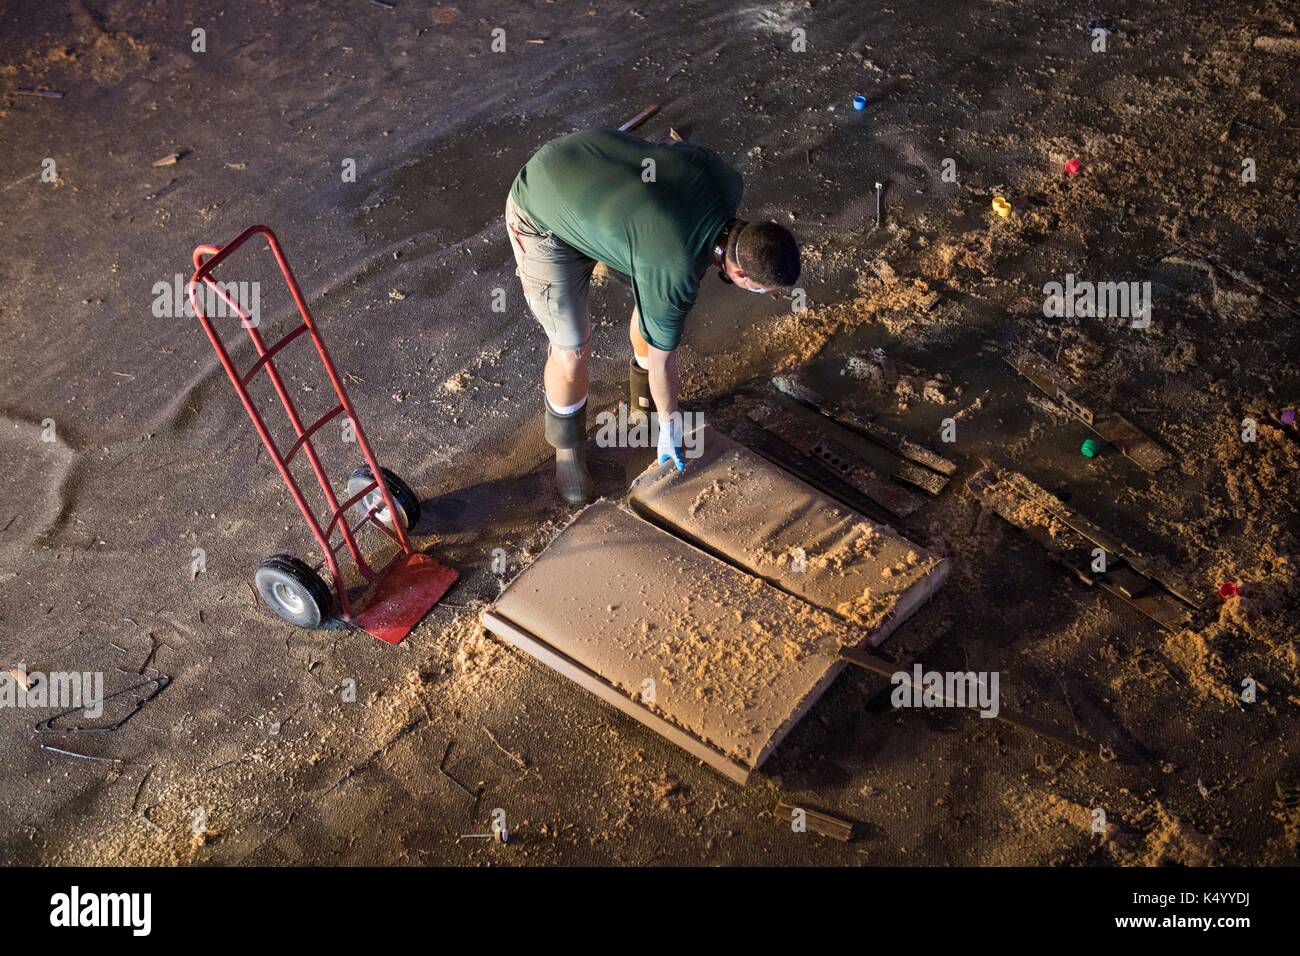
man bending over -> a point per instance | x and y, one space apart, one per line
659 214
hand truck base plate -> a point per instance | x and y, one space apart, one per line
413 585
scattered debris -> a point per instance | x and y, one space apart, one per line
1118 431
818 821
924 477
171 159
841 460
1073 541
159 685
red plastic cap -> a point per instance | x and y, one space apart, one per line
1072 167
1230 589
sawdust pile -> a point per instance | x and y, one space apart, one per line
1286 810
1198 657
718 489
1255 619
894 301
862 542
479 656
108 55
1253 472
903 383
1150 835
865 610
1168 841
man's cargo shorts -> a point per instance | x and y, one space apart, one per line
556 278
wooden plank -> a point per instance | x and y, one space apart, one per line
919 477
740 507
1005 494
640 118
843 415
680 635
838 458
1131 441
818 821
537 648
1143 564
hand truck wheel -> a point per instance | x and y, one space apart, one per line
408 505
294 591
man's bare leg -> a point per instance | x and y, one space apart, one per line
638 371
567 377
640 347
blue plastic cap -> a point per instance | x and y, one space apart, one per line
859 102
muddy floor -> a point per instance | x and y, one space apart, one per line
139 501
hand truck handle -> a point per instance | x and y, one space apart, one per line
206 258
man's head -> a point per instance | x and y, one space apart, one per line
760 256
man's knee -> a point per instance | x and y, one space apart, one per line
571 362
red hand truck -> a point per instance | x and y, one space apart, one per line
404 589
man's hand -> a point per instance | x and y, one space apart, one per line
670 441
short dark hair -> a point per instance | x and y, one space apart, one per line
768 254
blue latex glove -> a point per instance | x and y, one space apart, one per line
670 441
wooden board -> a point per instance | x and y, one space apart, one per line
1143 564
1039 515
739 506
560 663
843 415
1118 431
615 601
840 459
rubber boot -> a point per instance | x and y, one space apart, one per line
639 402
567 434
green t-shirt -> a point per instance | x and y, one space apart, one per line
588 189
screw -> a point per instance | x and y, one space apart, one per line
879 187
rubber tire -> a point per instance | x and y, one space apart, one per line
317 601
407 503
